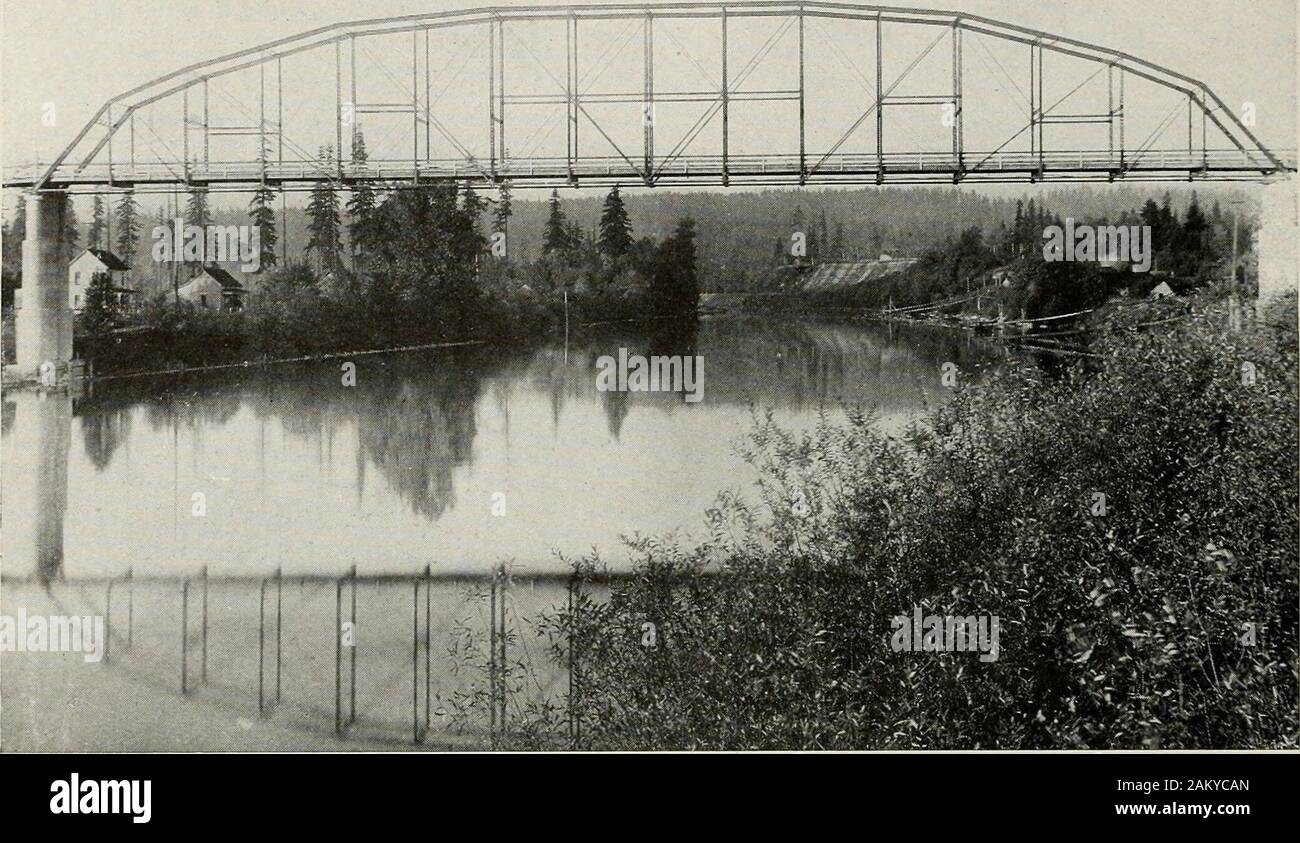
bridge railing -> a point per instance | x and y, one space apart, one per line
685 168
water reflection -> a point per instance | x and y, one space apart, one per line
296 469
38 426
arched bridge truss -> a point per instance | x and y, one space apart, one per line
666 94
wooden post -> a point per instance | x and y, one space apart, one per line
352 656
279 600
203 671
428 658
503 672
492 657
261 648
338 656
573 737
108 618
415 661
185 628
130 609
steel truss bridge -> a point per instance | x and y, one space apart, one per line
743 93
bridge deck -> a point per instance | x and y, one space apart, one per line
934 167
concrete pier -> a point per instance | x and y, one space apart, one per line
1277 239
43 323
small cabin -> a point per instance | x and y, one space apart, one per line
214 289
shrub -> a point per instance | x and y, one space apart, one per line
1122 627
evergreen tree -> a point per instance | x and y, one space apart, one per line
361 206
71 229
100 313
675 288
1020 240
1193 244
323 218
128 227
556 238
15 233
1168 225
261 211
474 206
95 235
196 213
615 227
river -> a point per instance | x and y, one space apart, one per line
457 458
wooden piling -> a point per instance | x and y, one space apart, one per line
185 628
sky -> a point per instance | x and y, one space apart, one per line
75 54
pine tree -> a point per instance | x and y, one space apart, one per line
71 228
95 235
556 239
128 227
196 213
361 206
15 234
1167 228
675 288
474 206
615 227
1019 230
323 218
100 313
261 212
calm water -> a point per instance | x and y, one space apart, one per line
295 469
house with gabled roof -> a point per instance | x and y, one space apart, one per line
90 263
214 289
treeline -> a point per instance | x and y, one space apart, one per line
1189 250
404 265
744 237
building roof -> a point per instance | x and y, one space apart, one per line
225 279
108 259
851 273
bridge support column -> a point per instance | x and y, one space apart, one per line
1277 239
43 325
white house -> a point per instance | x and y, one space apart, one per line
92 262
214 289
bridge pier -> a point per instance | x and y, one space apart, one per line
43 325
1277 239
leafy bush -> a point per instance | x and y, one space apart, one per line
1122 626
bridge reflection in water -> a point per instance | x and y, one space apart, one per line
339 488
460 458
